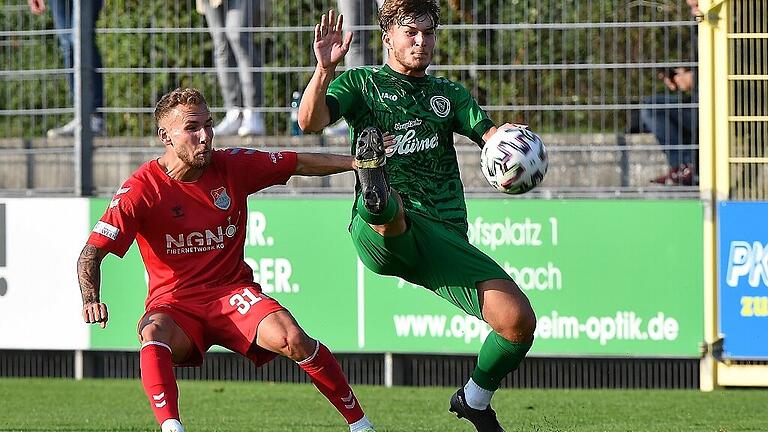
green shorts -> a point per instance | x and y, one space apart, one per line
430 255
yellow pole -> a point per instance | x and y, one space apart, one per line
724 98
707 135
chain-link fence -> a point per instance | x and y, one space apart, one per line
580 72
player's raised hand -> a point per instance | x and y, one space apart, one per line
330 43
668 80
95 313
684 80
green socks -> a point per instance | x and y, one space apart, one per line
379 218
497 358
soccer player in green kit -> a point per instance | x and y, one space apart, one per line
410 219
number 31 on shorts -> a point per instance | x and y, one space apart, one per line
244 301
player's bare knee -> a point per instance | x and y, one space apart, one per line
151 331
509 312
300 346
517 326
526 324
293 343
514 321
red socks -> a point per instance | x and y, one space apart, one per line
161 389
327 376
159 381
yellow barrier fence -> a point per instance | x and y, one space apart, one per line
733 91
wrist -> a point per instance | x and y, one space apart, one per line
89 300
325 73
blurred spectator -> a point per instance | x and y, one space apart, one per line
63 11
694 5
233 47
675 127
359 13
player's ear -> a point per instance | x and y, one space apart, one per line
385 39
162 133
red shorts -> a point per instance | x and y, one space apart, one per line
230 320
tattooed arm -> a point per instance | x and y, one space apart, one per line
89 276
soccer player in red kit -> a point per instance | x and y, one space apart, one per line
187 212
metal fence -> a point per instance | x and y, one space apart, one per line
419 370
578 71
748 105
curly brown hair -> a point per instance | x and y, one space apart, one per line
399 11
179 96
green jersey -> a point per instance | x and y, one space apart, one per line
422 113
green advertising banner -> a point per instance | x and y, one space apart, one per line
605 278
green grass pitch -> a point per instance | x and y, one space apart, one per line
120 405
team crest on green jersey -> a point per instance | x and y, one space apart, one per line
440 105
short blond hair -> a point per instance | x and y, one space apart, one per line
179 96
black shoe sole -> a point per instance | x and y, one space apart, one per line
374 189
371 160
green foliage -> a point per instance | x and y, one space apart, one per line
508 70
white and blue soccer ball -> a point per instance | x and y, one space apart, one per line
514 160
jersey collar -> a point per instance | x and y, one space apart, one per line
412 79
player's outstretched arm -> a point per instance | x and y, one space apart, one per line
321 164
330 46
89 277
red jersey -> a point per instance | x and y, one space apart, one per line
191 235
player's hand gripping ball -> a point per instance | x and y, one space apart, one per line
514 160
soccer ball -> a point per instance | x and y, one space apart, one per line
514 160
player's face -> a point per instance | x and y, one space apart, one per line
191 132
411 43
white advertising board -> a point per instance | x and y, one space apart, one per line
40 240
